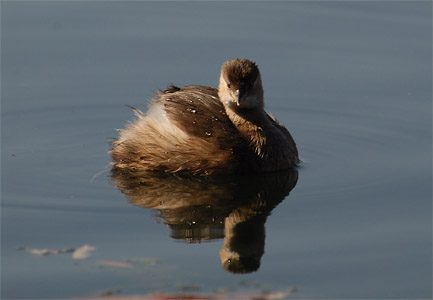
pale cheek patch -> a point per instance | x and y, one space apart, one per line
228 100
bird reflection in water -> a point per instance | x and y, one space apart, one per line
198 208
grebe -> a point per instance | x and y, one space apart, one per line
203 130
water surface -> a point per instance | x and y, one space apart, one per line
351 80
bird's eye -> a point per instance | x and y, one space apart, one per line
228 84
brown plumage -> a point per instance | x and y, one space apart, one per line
202 130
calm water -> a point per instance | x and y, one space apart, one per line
352 82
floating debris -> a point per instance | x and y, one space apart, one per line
43 252
83 252
79 253
113 294
112 263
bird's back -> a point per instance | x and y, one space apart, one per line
185 130
198 111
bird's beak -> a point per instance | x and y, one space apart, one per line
240 96
237 95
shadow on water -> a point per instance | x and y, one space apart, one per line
233 208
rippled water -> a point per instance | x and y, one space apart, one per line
352 82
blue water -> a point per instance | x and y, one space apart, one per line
351 80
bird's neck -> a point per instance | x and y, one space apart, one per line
263 137
255 127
